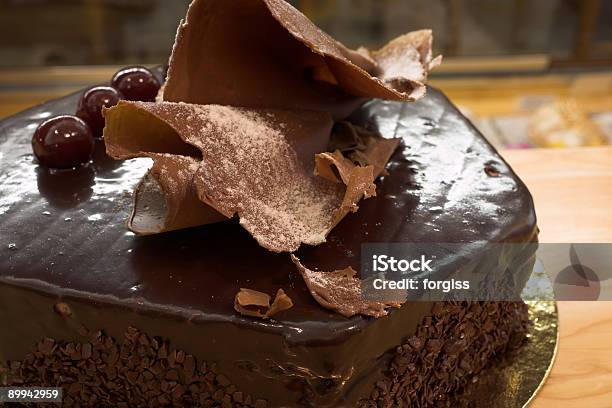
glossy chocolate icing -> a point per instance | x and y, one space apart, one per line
63 234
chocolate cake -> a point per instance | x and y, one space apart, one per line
120 319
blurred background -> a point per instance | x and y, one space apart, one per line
527 72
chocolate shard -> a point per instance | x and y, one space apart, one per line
360 185
334 167
404 63
372 149
281 302
253 303
277 58
341 292
283 206
249 302
360 157
353 145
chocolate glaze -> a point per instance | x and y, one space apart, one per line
63 235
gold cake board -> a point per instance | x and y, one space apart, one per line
515 382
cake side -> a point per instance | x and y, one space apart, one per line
450 349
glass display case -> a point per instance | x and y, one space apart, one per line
504 59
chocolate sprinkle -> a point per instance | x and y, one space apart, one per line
140 371
62 309
448 351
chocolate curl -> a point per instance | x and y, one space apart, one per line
334 167
281 302
266 54
341 292
256 164
354 145
363 146
166 199
360 185
404 63
253 303
130 133
364 159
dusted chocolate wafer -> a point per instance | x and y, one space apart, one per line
274 59
341 292
166 199
256 164
266 54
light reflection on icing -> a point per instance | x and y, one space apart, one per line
15 182
22 179
124 178
457 159
41 115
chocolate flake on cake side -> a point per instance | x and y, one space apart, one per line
449 350
140 371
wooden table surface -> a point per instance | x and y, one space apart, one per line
572 189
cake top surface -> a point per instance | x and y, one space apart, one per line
65 233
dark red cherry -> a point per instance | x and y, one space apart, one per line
91 104
63 142
136 84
